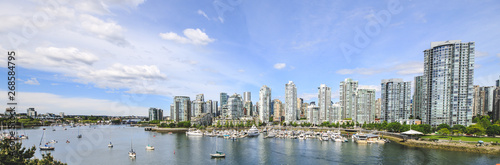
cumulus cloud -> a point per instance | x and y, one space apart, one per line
69 55
498 55
401 69
139 77
32 81
279 65
107 30
201 12
191 36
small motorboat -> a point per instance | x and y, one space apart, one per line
218 155
110 145
67 141
150 147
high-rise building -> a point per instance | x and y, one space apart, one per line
208 107
336 114
198 105
303 109
396 100
498 81
247 108
347 90
377 108
313 114
291 112
324 102
278 110
264 103
235 106
223 99
496 104
300 101
155 114
30 112
483 100
181 109
247 96
417 97
365 106
448 83
215 108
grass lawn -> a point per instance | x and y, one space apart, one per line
463 138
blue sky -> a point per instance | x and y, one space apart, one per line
121 57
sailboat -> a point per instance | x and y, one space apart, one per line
110 145
217 154
79 135
23 136
46 146
131 153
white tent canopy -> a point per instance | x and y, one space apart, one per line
412 132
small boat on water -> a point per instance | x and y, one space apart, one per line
150 147
131 153
217 154
194 133
253 132
47 146
110 145
324 137
302 137
79 135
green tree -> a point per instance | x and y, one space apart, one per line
444 131
460 128
493 130
22 155
394 127
444 125
476 130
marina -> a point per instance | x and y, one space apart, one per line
270 147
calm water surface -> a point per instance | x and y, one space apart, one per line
180 149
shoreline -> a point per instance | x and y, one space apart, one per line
450 146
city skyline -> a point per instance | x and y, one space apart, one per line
121 58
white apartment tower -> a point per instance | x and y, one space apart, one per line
324 102
291 111
347 90
396 100
448 83
264 104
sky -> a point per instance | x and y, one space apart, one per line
110 57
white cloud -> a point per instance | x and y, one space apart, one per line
401 69
279 65
308 96
46 102
32 81
481 54
201 12
192 36
498 55
241 70
109 31
139 78
68 55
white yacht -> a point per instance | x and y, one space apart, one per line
302 136
194 133
253 131
324 137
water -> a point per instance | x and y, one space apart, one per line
92 149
